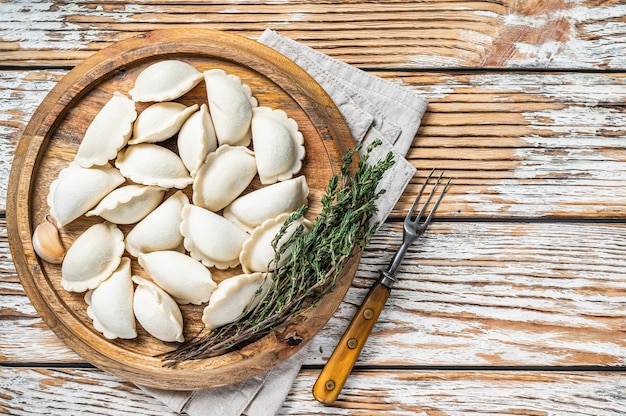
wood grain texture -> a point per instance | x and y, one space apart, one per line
58 392
517 144
522 275
384 34
482 294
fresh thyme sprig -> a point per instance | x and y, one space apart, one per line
317 258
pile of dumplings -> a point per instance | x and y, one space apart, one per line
123 174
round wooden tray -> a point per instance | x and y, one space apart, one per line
51 140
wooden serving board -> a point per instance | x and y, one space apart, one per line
51 140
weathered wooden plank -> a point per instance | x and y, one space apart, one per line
50 391
517 144
468 294
390 34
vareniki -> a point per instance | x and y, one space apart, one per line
171 196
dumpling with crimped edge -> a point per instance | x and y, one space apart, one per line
108 132
165 80
160 229
160 121
110 305
257 253
76 190
250 210
151 164
223 176
278 145
157 312
234 297
211 238
93 256
196 139
230 105
185 279
128 204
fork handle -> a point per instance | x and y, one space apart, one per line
340 364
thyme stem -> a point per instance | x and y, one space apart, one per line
317 258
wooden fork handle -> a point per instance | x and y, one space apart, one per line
339 365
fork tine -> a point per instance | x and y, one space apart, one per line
434 208
417 198
430 196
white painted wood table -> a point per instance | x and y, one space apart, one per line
514 303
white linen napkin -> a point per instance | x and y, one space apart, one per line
373 109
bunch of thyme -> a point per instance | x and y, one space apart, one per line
317 258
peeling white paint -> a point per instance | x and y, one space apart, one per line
585 49
48 27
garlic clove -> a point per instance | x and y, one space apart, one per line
47 242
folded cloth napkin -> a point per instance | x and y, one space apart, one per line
373 109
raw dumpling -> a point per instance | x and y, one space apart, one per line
278 145
233 297
223 176
110 305
250 210
211 238
165 80
77 190
230 104
160 121
128 204
257 254
108 132
184 278
159 230
151 164
92 258
196 139
157 312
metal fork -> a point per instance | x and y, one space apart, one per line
340 364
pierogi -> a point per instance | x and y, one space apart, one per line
93 256
160 121
108 132
165 80
195 187
223 176
278 145
77 190
196 139
160 229
110 305
128 204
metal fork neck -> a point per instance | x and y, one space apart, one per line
388 277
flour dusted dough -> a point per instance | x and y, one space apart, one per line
92 258
185 279
108 132
230 104
128 204
151 164
257 253
250 210
160 121
157 312
196 139
110 305
223 176
165 80
233 297
77 190
278 145
211 238
160 229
